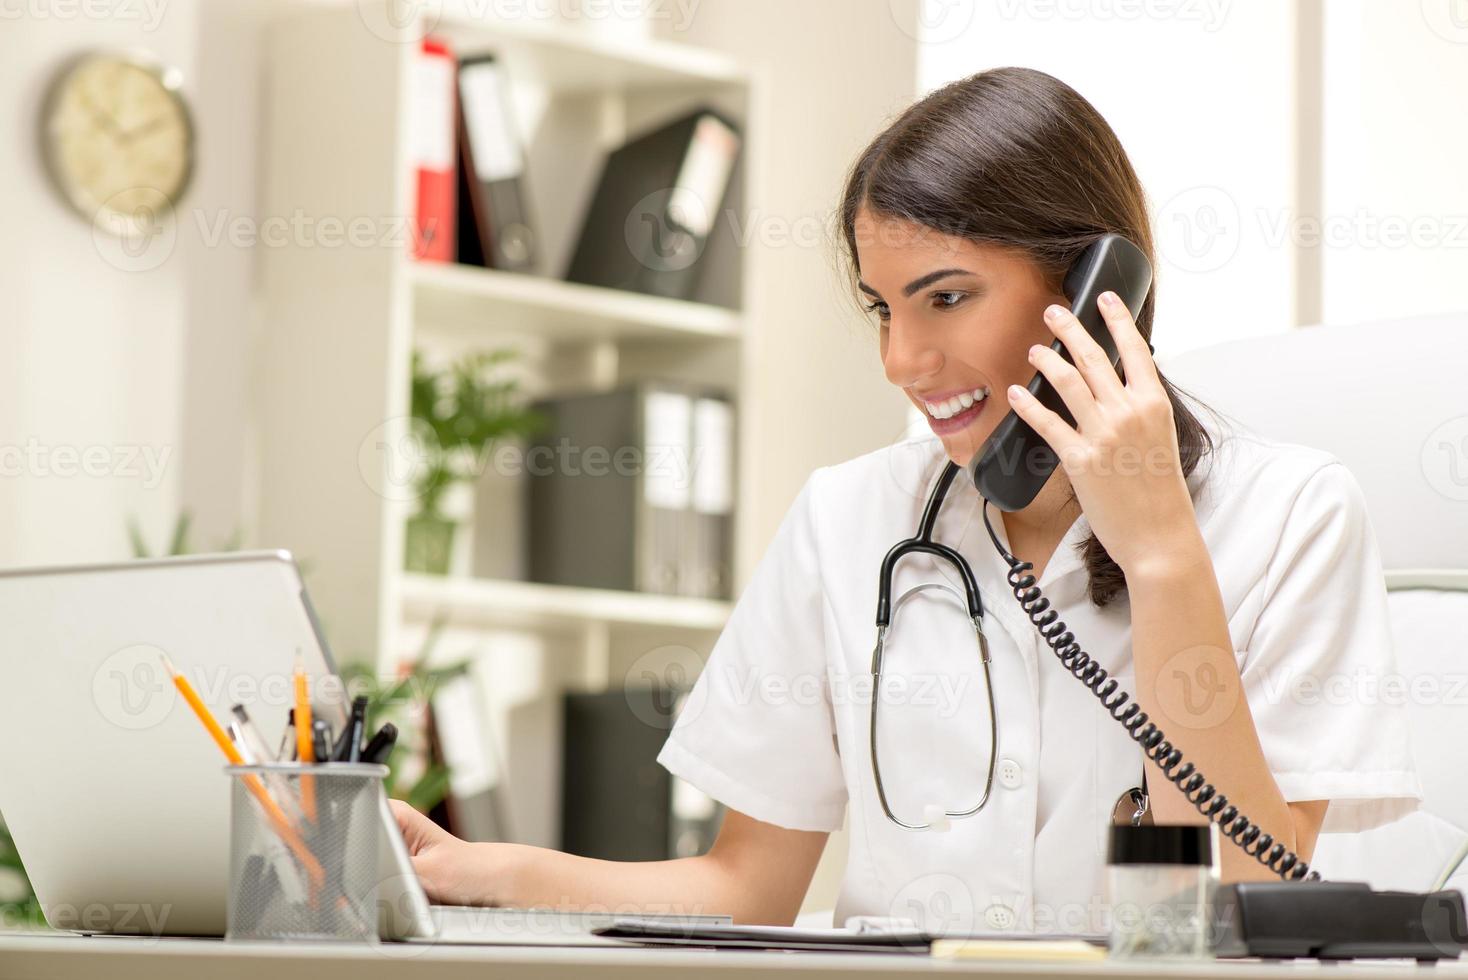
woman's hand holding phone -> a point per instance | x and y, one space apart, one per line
1122 456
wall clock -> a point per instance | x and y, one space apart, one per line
118 140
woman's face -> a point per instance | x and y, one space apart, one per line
957 321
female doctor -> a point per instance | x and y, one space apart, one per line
1216 575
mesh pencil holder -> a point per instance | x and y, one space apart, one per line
303 851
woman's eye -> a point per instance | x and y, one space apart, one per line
878 308
947 298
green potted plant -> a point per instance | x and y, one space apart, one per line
460 412
415 774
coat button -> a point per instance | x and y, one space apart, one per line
1010 774
999 916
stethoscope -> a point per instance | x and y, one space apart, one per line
935 817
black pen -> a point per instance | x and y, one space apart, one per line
349 746
380 746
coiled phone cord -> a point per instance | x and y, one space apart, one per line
1209 802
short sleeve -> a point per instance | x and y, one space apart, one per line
757 732
1319 660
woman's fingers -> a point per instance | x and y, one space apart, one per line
1136 357
1066 380
1091 360
1050 426
419 832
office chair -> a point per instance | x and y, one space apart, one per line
1390 400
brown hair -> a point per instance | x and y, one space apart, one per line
1017 158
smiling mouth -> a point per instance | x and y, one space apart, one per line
954 405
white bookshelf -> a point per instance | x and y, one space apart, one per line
533 605
461 300
342 323
573 60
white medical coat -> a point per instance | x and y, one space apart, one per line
777 725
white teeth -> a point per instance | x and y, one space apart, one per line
950 407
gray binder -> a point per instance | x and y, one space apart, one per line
612 481
707 570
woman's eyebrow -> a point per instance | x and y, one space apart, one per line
919 282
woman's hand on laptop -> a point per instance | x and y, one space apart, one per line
453 871
756 872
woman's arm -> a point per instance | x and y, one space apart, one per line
1187 678
756 872
1123 463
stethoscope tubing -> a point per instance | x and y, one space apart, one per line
923 543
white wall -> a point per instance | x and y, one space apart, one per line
1304 159
1201 96
93 352
140 364
1395 193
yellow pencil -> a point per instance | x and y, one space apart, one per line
272 809
304 750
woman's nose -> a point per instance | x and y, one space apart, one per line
909 356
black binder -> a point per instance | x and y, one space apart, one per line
655 205
494 224
617 803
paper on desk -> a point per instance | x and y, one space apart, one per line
1016 949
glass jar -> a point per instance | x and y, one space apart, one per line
1160 882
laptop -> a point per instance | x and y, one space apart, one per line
116 797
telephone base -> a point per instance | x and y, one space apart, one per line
1332 920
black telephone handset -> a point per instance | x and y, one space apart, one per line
1014 463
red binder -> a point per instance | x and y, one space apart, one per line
434 152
